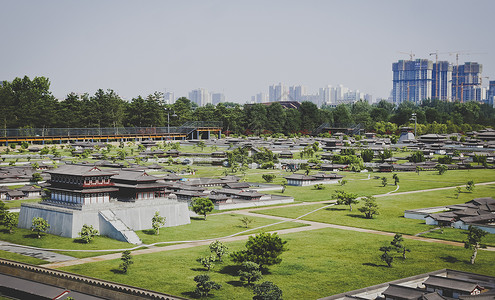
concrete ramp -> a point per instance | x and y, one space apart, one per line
112 226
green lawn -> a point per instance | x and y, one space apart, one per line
409 181
391 210
17 203
49 241
318 263
215 226
453 234
21 258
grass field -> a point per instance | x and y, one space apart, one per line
318 263
391 210
215 226
453 234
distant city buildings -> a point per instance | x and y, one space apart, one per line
421 79
168 98
490 95
217 98
200 96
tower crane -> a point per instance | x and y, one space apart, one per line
411 54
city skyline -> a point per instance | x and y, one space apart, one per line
237 49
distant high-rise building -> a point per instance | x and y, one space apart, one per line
217 98
326 95
490 94
200 96
412 80
297 92
466 82
277 93
442 81
168 98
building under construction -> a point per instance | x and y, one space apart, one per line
420 79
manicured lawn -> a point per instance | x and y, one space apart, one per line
358 183
215 226
318 263
453 234
17 203
391 210
21 258
49 241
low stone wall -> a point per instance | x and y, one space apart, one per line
67 222
78 283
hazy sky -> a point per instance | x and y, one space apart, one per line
235 47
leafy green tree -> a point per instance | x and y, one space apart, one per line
87 233
384 181
441 169
267 291
396 179
475 235
201 145
39 225
268 177
263 249
386 257
470 186
204 285
445 159
250 272
36 177
3 211
202 206
207 262
345 198
367 155
219 249
385 154
399 247
370 207
10 220
157 221
419 169
246 221
417 157
126 259
457 192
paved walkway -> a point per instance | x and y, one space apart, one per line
34 252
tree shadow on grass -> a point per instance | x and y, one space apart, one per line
79 241
4 231
336 208
198 218
357 216
192 295
117 271
199 269
149 232
375 265
31 236
232 270
235 283
449 259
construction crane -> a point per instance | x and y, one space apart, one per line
411 54
457 53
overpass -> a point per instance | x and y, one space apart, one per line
189 130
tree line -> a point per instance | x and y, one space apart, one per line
26 103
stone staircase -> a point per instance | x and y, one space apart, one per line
116 228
